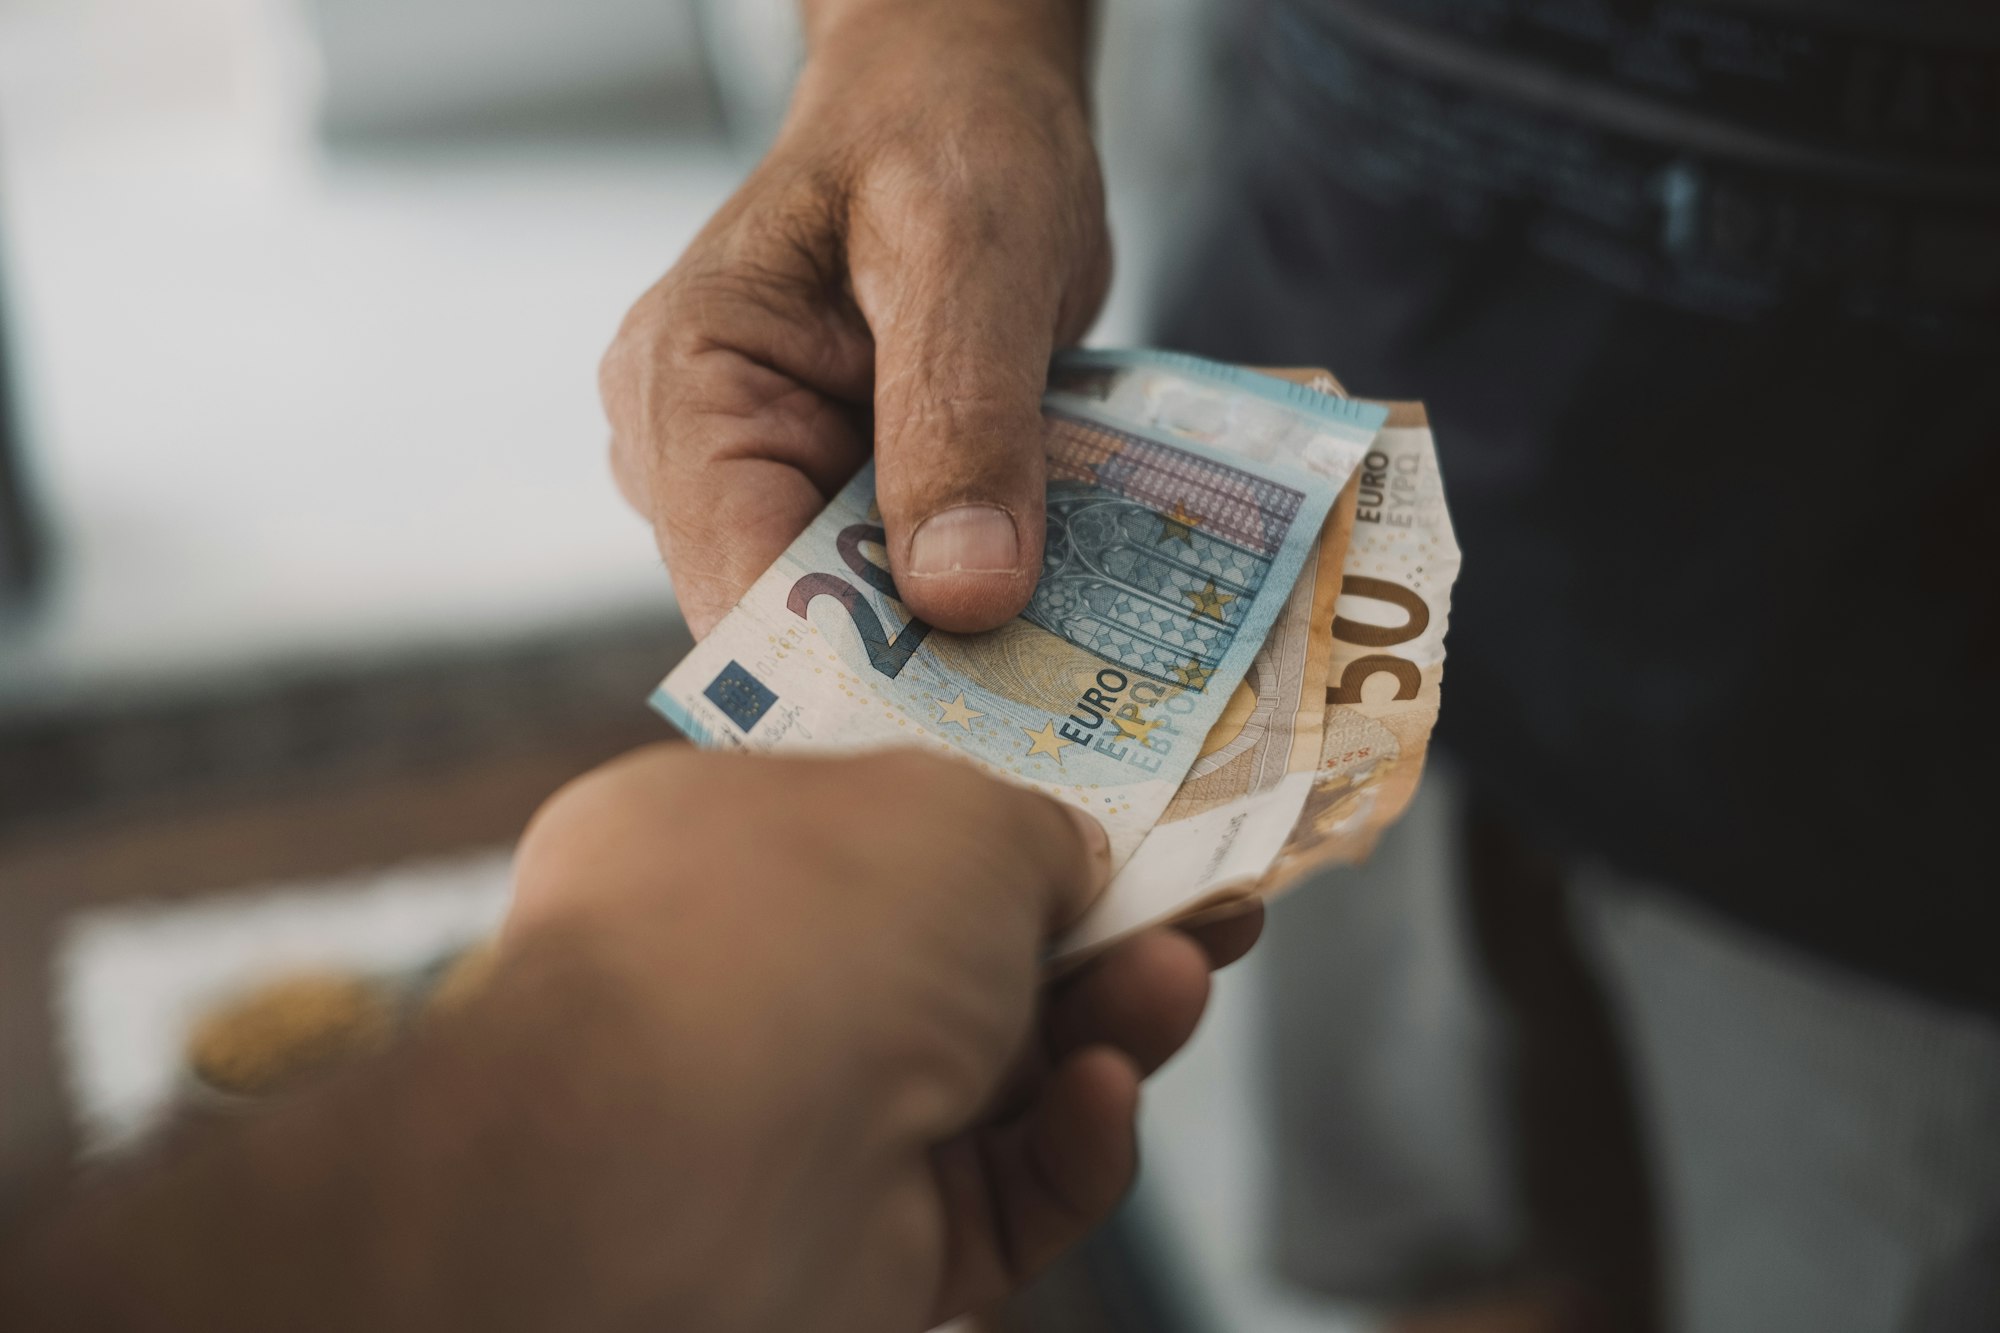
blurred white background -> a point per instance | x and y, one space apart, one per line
307 297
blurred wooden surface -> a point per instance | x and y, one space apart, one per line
271 781
315 776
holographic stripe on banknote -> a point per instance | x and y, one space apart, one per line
1154 554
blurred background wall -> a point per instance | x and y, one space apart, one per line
305 297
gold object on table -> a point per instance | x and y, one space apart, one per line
463 978
277 1035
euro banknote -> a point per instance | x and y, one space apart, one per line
1167 562
1229 774
1243 797
1377 635
1386 663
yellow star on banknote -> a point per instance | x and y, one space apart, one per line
1209 602
1178 526
956 712
1194 675
1047 742
1135 729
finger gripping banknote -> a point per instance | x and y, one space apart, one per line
1167 563
1238 682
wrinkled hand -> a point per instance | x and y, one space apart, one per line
928 228
869 1109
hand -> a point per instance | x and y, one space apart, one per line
839 960
897 272
765 1049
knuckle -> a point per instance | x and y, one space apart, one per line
999 175
638 367
962 1071
1032 821
617 372
949 202
952 803
602 802
755 264
911 774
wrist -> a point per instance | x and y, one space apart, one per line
1053 35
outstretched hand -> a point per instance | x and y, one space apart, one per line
880 974
766 1047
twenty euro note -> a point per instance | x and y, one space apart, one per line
1206 665
1166 563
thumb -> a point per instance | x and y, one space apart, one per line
963 337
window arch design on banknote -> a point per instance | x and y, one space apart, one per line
1154 554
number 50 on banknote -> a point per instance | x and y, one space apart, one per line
1195 666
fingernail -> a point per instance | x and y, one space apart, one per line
1095 841
971 539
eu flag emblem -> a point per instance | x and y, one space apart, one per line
740 695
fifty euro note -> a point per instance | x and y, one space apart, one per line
1167 563
1324 742
1238 808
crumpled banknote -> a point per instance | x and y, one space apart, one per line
1232 658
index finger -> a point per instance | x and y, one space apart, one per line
746 461
736 391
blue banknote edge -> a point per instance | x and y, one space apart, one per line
673 711
1344 411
